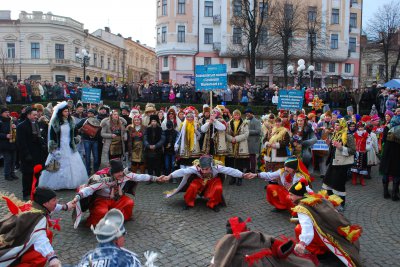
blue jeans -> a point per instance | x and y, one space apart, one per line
10 157
91 146
169 162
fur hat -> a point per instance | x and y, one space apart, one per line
150 107
110 227
116 166
154 118
43 195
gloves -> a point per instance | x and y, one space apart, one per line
55 262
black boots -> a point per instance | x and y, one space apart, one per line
386 190
232 181
395 191
239 181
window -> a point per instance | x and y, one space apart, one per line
354 1
181 34
263 36
208 35
352 44
312 13
263 9
369 70
114 64
335 16
10 50
165 62
237 35
35 50
76 52
234 63
347 68
164 7
259 64
108 63
181 6
101 62
312 39
318 66
207 61
334 41
381 70
208 9
59 51
158 35
288 12
237 8
95 59
353 20
332 67
164 35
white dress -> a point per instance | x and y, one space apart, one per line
72 172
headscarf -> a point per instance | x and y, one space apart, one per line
341 135
395 121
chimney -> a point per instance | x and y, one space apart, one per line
138 41
107 29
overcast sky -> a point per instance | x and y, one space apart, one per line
135 18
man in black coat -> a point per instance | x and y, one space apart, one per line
7 144
30 146
153 142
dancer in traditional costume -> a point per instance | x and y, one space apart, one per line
284 178
203 178
321 228
25 235
106 190
360 167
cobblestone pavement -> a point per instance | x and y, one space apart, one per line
187 238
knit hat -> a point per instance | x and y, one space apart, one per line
292 162
92 110
301 116
389 112
125 108
79 104
43 195
350 108
110 227
205 161
299 188
154 118
116 166
375 117
206 108
248 110
2 110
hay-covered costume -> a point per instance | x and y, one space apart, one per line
209 186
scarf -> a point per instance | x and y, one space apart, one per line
341 135
395 121
235 126
277 135
190 135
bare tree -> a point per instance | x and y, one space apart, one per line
251 17
7 66
286 23
383 28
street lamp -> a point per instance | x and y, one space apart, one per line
300 70
84 58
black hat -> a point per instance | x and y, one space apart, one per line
154 118
4 110
170 125
92 110
116 166
79 104
43 195
248 110
299 188
292 162
125 108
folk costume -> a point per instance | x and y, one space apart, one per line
305 139
135 145
244 247
209 185
278 192
25 234
339 160
113 147
360 168
62 148
321 228
104 192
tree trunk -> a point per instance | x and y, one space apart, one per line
393 71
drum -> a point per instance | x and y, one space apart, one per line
91 127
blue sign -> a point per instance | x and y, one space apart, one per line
290 99
91 95
211 77
320 145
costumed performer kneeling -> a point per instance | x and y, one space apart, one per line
25 235
107 190
322 228
278 194
203 178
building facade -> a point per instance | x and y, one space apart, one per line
201 32
43 47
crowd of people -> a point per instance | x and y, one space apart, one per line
103 153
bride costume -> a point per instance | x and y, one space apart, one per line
61 142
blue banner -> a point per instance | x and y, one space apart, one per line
91 95
211 77
291 99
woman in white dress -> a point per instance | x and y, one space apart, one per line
62 147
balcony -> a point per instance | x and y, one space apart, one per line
217 19
217 46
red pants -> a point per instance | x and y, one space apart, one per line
101 206
212 190
278 196
32 258
317 246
